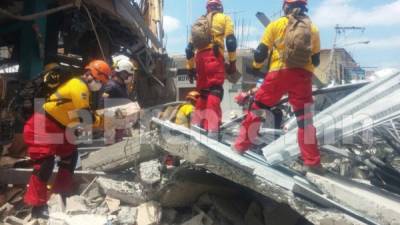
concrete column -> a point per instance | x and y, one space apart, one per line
31 60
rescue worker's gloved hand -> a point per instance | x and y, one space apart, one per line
231 67
241 98
192 75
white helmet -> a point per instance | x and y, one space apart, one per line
124 65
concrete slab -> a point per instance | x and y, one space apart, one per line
377 205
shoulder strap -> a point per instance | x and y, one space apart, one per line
210 19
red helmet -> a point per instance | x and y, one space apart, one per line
213 2
294 1
100 70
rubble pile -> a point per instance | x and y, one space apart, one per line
181 195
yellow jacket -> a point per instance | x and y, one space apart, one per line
222 26
183 114
63 105
274 36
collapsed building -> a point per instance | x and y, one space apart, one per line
167 174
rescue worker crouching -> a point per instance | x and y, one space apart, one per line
210 64
284 77
183 116
50 132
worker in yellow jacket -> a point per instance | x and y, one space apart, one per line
290 72
186 109
51 131
209 64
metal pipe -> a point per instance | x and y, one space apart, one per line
37 15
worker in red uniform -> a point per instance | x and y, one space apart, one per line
50 132
282 79
210 67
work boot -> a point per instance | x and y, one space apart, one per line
317 169
40 212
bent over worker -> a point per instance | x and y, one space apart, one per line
283 78
210 67
184 114
50 133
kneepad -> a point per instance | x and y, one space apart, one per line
69 163
45 169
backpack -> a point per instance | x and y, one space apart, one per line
297 41
201 31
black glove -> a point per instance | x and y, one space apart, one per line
231 67
192 75
255 72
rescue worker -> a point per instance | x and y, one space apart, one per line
116 90
210 68
50 132
183 116
122 76
297 82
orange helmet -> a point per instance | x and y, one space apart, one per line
193 95
294 1
100 70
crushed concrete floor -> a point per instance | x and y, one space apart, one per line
152 193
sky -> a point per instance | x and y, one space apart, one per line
381 19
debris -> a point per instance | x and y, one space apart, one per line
128 192
121 155
149 213
127 215
113 204
56 204
6 210
150 172
382 206
76 205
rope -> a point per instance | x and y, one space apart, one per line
95 31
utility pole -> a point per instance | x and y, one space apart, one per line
332 61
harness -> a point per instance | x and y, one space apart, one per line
217 91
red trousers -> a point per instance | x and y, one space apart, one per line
297 83
45 139
210 74
208 113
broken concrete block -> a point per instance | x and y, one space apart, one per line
128 192
56 203
93 195
150 171
76 205
121 155
383 207
149 213
127 215
113 204
200 219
